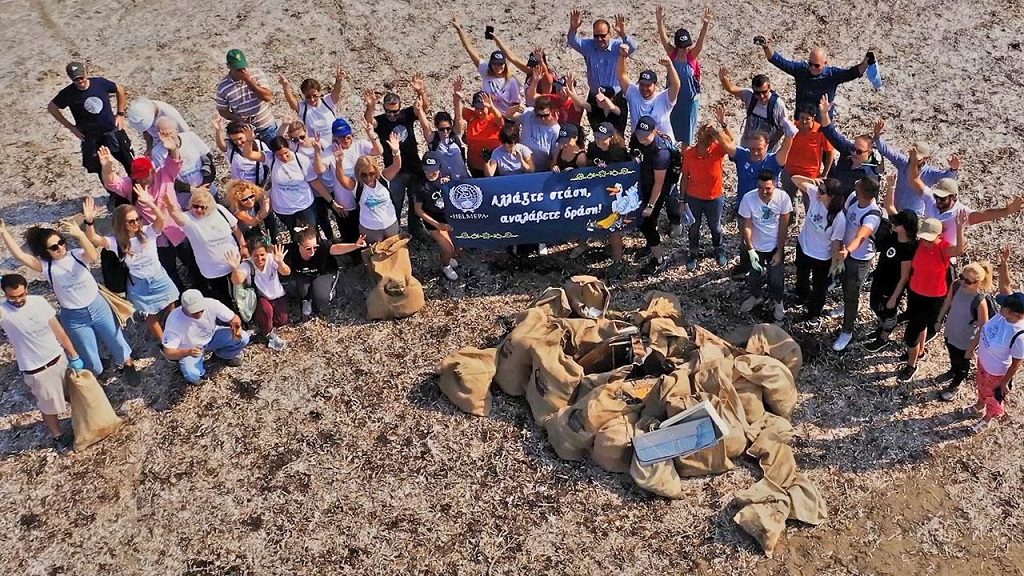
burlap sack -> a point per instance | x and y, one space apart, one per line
667 337
466 379
92 417
554 378
670 396
774 378
586 334
588 296
770 340
613 399
567 434
613 444
553 302
591 381
711 460
658 305
396 293
661 478
710 344
514 363
711 374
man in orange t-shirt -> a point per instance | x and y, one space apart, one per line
483 124
811 156
700 187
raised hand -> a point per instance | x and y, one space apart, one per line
709 15
417 83
339 72
70 229
719 111
488 100
879 128
104 155
279 253
368 128
954 162
233 259
659 15
457 87
575 19
370 97
1004 255
962 217
455 23
249 131
824 104
170 141
361 241
142 194
282 80
393 141
623 50
620 25
89 209
1015 205
664 61
218 124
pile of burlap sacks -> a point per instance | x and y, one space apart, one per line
594 408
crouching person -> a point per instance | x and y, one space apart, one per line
263 272
314 269
191 331
40 344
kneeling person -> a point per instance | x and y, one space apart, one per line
766 220
191 331
314 269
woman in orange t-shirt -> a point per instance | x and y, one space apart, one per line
483 124
700 187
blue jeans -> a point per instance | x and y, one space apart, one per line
291 221
223 345
267 134
684 118
94 324
710 209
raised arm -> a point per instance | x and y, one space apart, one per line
173 209
727 84
512 58
421 115
623 67
254 152
218 134
396 158
238 273
344 248
89 220
579 101
782 156
12 245
466 42
723 136
457 99
575 21
914 172
674 84
339 75
889 201
1012 207
90 254
107 174
698 47
370 106
961 238
1005 279
659 24
289 96
419 86
834 136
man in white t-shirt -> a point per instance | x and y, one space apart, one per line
941 202
539 132
766 220
40 344
644 98
191 331
863 216
196 158
143 115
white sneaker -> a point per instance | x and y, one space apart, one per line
837 312
307 307
449 273
750 303
542 249
676 231
453 263
779 312
842 341
275 342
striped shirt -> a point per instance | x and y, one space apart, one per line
237 97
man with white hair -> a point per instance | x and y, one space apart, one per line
814 77
907 196
197 167
142 116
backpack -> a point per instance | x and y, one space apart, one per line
244 295
260 180
873 212
114 271
989 299
305 110
773 102
675 166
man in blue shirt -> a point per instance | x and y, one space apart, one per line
601 55
750 162
814 77
857 157
95 124
907 196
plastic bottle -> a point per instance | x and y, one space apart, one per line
875 76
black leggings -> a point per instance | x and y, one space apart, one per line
959 365
649 227
812 280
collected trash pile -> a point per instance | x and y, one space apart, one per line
640 394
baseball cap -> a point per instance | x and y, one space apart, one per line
568 131
604 131
431 162
645 126
945 187
648 77
497 57
923 149
558 84
929 229
392 98
340 128
192 301
141 168
141 114
683 38
75 70
236 59
1015 301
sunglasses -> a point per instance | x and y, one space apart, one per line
815 65
392 112
54 247
945 199
298 138
967 281
199 207
132 221
444 128
859 151
249 198
545 115
762 92
600 35
367 174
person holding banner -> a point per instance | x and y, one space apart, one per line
429 207
655 185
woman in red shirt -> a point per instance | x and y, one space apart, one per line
483 124
929 273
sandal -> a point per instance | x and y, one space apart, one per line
970 410
982 425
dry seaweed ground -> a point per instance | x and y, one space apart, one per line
340 456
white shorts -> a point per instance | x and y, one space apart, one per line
48 387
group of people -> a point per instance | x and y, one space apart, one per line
315 186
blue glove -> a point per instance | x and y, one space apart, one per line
755 262
76 364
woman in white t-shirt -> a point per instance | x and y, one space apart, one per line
504 88
377 217
316 110
263 271
511 157
84 313
212 231
344 152
149 288
309 148
239 139
820 241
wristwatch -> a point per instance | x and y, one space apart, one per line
120 114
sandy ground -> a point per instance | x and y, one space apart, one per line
345 458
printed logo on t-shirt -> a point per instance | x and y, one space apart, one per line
93 105
401 132
891 252
438 199
766 213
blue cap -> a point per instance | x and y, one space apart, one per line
341 128
1015 301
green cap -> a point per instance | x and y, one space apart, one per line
236 59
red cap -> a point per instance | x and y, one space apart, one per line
141 167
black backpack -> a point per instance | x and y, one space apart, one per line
772 103
114 271
260 180
989 299
675 167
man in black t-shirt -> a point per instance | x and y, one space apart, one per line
401 121
96 124
315 269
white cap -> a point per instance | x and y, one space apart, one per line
193 301
141 114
